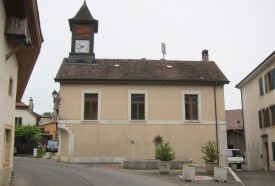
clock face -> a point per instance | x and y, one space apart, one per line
82 46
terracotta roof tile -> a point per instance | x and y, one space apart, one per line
21 104
141 70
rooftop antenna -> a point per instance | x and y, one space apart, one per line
163 49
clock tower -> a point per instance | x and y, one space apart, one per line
83 27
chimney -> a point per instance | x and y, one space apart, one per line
205 56
31 103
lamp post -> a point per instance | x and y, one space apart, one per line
56 100
54 95
239 123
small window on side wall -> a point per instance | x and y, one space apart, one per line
18 121
10 86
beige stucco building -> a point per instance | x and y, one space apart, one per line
111 109
20 42
257 90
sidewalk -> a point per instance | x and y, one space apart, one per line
202 178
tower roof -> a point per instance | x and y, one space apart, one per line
84 16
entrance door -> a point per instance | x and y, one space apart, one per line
267 155
265 152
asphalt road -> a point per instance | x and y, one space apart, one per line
43 172
257 178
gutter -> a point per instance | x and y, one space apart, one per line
216 119
244 139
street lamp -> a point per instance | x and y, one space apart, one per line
54 95
239 123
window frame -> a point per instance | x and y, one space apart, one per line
132 92
18 121
198 93
83 92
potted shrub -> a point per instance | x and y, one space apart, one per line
211 155
220 173
164 153
188 172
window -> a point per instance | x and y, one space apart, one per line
18 121
261 86
273 150
267 82
10 86
191 107
260 117
272 79
272 114
265 117
7 147
137 107
91 107
83 30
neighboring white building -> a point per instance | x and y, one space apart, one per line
24 114
20 43
258 100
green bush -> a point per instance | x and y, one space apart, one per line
164 152
40 152
211 151
27 134
189 165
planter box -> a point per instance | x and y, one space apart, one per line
210 167
220 174
188 173
153 164
164 167
48 155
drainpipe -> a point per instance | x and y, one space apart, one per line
244 140
216 119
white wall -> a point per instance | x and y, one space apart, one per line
252 103
8 69
27 117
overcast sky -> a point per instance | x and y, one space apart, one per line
239 35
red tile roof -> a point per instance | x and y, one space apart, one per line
21 104
232 117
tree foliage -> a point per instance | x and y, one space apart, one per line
164 152
27 134
211 151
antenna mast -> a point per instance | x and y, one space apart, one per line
163 49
